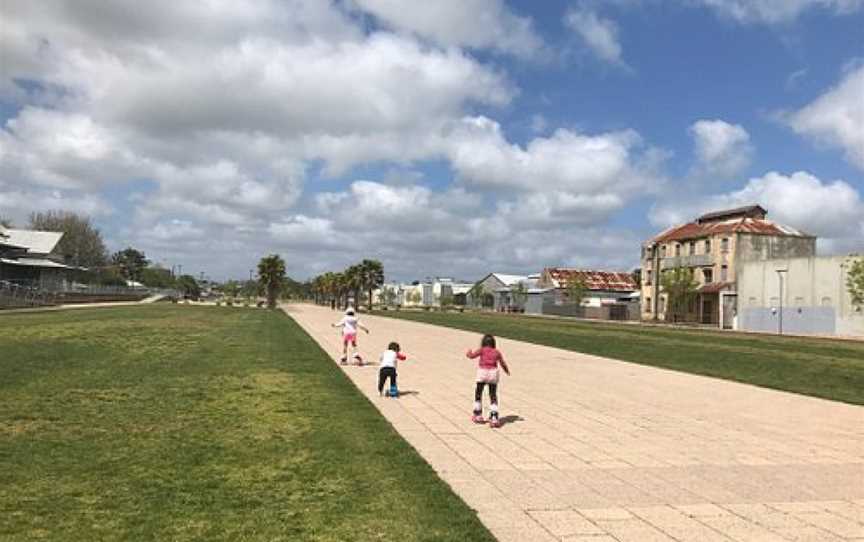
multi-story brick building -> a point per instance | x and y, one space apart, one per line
712 246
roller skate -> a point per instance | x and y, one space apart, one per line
393 392
359 360
344 360
494 422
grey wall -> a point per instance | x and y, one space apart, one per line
763 247
796 320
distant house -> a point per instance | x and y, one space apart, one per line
494 290
602 288
714 246
29 257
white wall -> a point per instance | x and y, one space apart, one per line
814 298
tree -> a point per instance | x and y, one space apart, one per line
372 272
271 274
518 294
637 277
414 297
477 292
576 289
131 263
6 223
680 288
189 286
388 295
156 277
354 282
81 243
231 288
855 281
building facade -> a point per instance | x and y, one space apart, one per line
607 295
712 248
799 296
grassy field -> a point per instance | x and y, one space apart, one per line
200 423
831 369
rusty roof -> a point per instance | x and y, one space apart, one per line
714 287
593 280
757 226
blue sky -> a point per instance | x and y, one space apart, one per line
453 138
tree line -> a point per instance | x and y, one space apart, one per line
339 287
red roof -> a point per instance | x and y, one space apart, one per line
714 287
593 280
758 226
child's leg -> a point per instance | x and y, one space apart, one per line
478 396
493 399
382 378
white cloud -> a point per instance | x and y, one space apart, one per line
482 24
776 11
224 124
722 149
599 34
831 210
837 117
567 161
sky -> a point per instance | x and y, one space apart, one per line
449 138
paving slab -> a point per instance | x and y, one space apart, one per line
604 450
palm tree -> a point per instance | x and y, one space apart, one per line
271 274
354 282
339 288
373 276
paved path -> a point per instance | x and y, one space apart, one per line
600 450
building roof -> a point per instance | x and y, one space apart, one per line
738 224
509 280
35 262
594 280
37 242
714 287
750 211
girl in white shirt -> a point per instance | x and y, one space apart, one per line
350 324
388 360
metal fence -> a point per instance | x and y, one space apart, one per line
22 294
14 296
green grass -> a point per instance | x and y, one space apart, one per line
831 369
200 423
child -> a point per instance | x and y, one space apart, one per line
388 369
349 324
487 373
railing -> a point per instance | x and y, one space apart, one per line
694 260
29 293
13 296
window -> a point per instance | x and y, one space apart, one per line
692 248
677 249
648 277
724 245
724 273
708 275
648 304
707 246
826 301
663 251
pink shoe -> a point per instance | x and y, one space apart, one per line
478 419
494 423
359 361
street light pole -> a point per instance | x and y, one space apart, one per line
780 283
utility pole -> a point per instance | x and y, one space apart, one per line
780 315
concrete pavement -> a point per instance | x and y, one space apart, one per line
601 450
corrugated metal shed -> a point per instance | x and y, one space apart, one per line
594 280
36 242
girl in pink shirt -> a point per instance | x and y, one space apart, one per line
487 373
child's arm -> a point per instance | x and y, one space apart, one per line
472 353
503 364
401 357
364 328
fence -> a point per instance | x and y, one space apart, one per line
616 311
21 294
14 296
